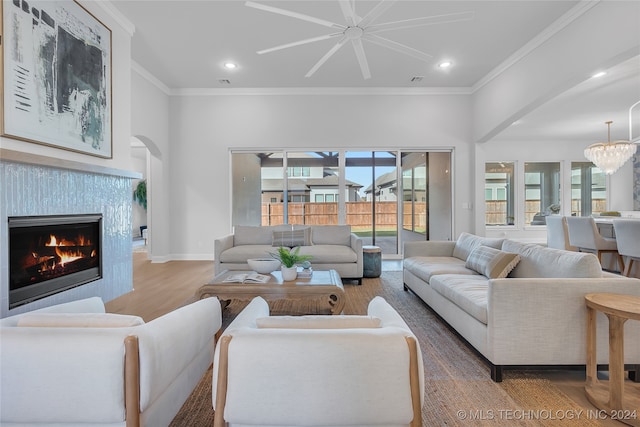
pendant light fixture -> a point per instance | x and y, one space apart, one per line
610 156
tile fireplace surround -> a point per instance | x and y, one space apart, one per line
33 186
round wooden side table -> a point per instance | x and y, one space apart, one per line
618 309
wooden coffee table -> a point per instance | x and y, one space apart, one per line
323 293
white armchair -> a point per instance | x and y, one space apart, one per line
73 364
318 370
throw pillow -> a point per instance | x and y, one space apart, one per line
79 320
468 242
318 322
492 263
291 238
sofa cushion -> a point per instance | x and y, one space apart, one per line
467 242
79 320
492 263
318 322
540 261
426 266
240 254
291 238
326 254
470 293
331 235
252 235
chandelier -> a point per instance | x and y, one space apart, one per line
609 156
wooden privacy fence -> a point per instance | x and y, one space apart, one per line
359 214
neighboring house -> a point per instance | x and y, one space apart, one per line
313 183
384 189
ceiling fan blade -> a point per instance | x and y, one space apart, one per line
390 44
362 58
294 15
348 12
326 56
419 22
375 13
298 43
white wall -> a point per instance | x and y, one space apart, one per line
150 124
204 128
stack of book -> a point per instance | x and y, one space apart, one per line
305 273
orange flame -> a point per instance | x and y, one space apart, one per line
68 256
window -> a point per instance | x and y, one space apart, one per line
298 171
542 191
499 180
342 187
588 190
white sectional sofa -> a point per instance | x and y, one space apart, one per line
331 246
74 364
534 316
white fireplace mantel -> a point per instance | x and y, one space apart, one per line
36 159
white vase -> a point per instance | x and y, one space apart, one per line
289 273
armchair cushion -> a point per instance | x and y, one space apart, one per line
318 322
78 320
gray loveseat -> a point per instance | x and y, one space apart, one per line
534 316
331 246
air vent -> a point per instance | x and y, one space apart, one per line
416 79
224 81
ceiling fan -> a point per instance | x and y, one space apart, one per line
357 29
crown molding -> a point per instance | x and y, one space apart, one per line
557 26
112 11
145 74
574 13
332 91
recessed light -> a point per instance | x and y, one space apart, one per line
230 65
445 64
600 74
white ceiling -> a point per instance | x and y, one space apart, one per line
185 43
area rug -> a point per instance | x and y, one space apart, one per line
458 387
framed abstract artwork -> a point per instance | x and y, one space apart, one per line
56 76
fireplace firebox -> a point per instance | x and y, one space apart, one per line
51 254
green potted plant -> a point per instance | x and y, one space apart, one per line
140 194
289 260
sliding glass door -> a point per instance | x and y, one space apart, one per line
377 193
374 216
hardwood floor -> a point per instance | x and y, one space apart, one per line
161 288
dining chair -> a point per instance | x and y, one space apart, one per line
584 235
628 239
558 233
